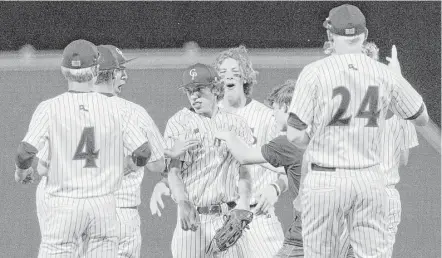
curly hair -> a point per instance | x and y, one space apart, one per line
282 94
79 75
240 55
371 50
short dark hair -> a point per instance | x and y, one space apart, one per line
282 94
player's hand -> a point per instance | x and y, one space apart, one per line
393 61
180 147
159 190
24 176
266 197
129 165
188 215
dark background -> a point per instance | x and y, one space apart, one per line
413 26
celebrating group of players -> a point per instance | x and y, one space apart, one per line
335 140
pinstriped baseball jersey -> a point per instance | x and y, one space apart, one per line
210 173
398 135
86 133
262 123
128 194
344 98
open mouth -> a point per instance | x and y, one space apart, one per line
230 85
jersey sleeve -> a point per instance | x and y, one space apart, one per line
280 152
175 129
406 102
304 96
38 131
410 135
133 137
150 130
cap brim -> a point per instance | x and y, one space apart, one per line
193 84
122 65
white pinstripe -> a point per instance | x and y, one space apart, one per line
79 199
343 99
330 199
266 233
210 175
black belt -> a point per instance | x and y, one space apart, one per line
320 168
217 209
133 207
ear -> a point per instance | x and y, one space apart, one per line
286 108
114 74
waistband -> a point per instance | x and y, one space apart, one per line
218 209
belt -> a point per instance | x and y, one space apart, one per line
133 207
217 208
319 168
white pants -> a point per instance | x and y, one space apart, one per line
265 236
68 220
331 199
130 233
193 244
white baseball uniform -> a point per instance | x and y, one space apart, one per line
128 196
266 235
86 134
210 175
398 135
344 99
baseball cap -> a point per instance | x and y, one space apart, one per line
119 54
80 54
108 60
199 74
346 20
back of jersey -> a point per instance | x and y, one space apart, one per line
86 141
353 95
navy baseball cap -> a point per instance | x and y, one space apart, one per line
345 20
119 54
80 54
199 74
108 60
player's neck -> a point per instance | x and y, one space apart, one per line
231 104
348 50
103 88
81 86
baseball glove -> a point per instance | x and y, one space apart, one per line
235 222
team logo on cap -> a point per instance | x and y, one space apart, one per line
119 52
193 74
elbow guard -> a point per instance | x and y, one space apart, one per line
25 155
142 154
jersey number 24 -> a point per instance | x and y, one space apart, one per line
87 143
368 108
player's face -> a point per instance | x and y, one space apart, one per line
233 78
120 79
201 99
281 116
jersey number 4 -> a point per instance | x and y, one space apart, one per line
87 143
368 108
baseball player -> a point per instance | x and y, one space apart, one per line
338 113
206 181
237 73
112 75
86 132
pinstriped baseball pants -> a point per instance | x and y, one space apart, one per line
265 236
67 219
356 198
130 233
193 244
